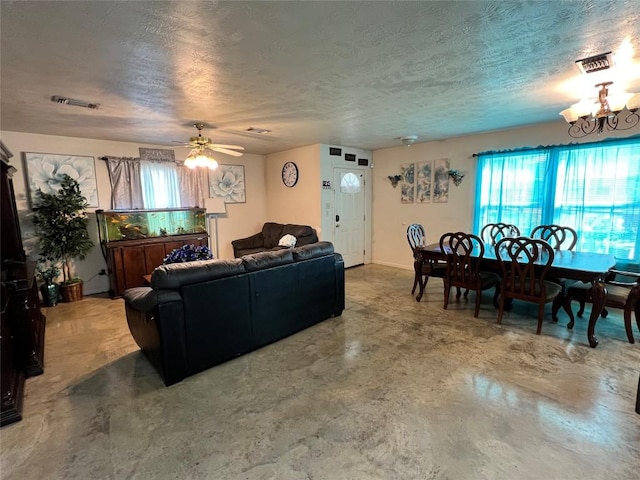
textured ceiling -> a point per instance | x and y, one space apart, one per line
357 74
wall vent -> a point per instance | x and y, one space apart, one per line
604 61
73 102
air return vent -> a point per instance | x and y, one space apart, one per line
73 102
596 63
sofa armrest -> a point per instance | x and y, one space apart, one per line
145 299
254 241
156 322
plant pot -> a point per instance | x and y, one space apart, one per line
71 292
49 293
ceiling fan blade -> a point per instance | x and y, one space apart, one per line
226 150
221 145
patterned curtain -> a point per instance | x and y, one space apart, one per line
126 185
194 186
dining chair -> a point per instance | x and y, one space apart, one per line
524 263
464 252
423 270
560 238
492 232
623 295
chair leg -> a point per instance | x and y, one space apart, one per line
638 314
555 306
500 310
458 293
447 289
566 305
581 311
417 268
478 298
540 318
627 324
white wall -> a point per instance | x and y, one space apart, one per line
391 218
241 219
299 204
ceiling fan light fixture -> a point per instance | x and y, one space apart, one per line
201 157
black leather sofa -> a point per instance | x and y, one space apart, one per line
269 237
198 314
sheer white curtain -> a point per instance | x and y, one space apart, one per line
160 185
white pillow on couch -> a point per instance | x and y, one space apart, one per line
287 241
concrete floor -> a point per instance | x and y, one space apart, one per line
393 389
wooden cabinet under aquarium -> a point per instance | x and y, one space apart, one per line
135 242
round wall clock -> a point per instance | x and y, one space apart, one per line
289 174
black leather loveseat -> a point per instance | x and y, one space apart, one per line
196 315
270 236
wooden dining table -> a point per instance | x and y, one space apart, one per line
588 267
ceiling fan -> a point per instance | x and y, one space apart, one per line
204 143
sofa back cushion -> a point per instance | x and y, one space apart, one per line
271 234
304 233
175 275
268 259
313 250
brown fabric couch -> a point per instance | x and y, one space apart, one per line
269 237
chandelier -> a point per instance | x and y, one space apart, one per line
201 156
615 112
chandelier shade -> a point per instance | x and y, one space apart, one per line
618 111
201 157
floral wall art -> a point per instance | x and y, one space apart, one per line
441 181
407 171
423 181
227 181
45 171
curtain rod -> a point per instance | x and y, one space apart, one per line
524 149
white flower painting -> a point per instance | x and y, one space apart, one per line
45 172
227 181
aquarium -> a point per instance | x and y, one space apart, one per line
115 225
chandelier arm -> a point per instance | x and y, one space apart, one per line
630 121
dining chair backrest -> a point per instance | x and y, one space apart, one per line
415 236
558 236
492 232
463 253
524 263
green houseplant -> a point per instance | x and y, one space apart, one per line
60 221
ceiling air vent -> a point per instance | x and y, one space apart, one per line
261 131
73 102
596 63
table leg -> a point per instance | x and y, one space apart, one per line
598 294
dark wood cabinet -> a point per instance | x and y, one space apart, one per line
22 324
130 260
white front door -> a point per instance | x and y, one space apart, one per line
348 227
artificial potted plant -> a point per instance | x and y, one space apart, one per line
48 271
60 221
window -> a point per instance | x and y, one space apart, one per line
594 188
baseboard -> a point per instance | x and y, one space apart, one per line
394 265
